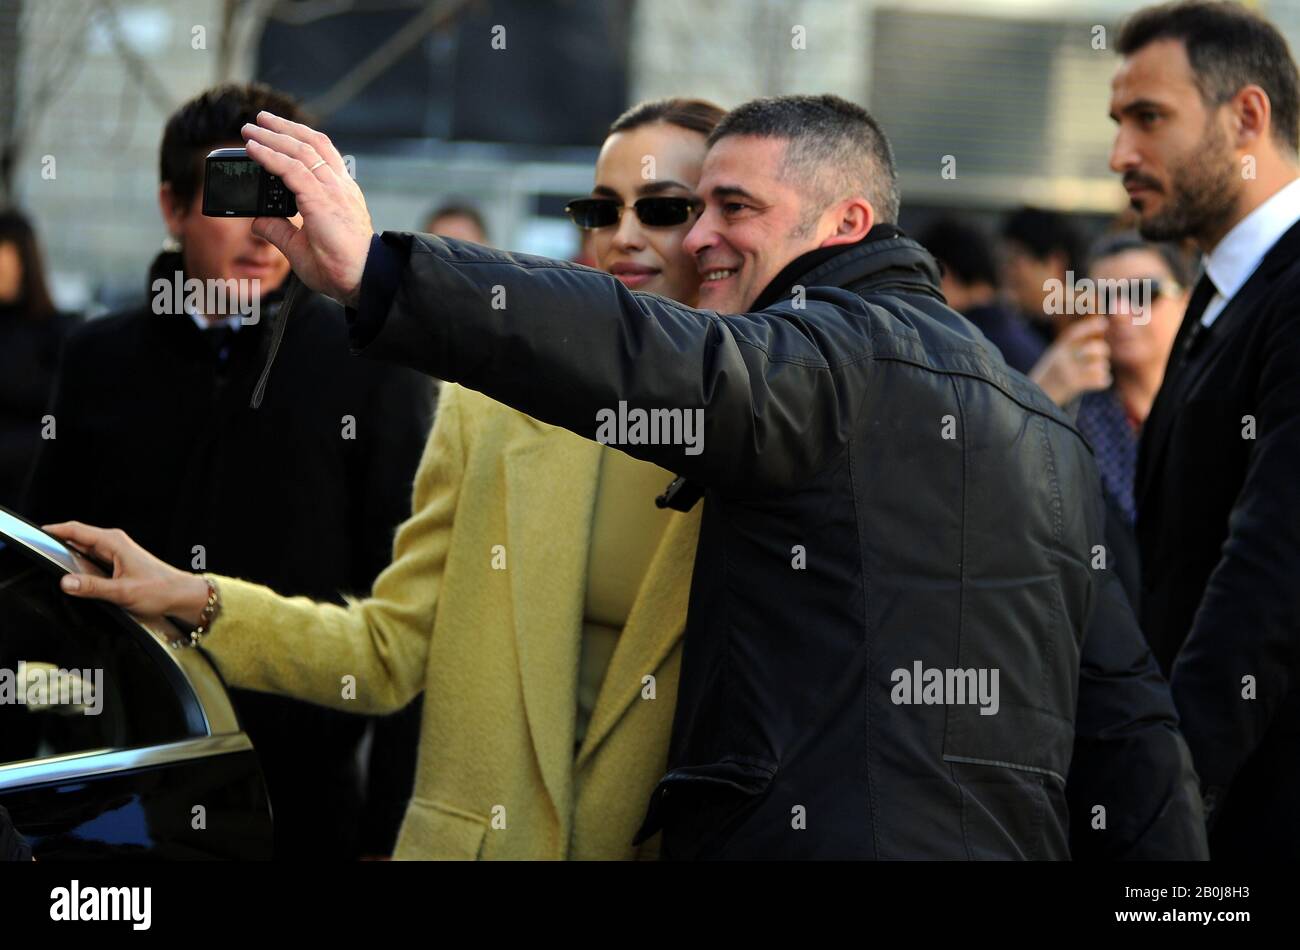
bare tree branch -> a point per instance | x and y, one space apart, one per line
137 66
435 16
51 75
243 24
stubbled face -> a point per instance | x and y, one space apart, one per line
11 273
1135 342
657 159
752 225
1175 153
222 248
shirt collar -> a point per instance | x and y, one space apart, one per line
234 321
1235 258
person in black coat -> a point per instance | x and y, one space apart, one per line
1218 477
846 539
155 435
31 335
1132 788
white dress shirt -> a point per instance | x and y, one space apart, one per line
1237 256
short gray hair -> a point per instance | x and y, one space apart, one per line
835 148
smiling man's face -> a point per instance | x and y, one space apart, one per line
753 223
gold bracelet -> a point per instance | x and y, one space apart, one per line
210 611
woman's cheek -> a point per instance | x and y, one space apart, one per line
599 247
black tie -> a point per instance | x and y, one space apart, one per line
1189 334
1192 330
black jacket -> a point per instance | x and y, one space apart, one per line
880 491
1132 789
1218 496
13 846
155 436
29 356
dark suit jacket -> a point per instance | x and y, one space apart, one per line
1218 496
29 356
155 436
1132 790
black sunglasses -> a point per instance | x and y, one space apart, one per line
654 212
1132 293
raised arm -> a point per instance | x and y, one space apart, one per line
774 391
773 394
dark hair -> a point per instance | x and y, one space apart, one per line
34 294
208 121
696 115
1109 245
457 209
1228 47
963 249
1043 233
835 145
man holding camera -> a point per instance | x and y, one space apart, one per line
154 433
871 670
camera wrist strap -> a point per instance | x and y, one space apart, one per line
279 320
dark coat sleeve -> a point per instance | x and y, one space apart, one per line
1248 622
1129 757
773 408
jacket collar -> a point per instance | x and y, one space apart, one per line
164 267
655 624
886 256
548 531
548 543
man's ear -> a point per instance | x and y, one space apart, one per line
173 210
852 219
1253 113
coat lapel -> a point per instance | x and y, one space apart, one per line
655 624
1165 412
1168 403
550 479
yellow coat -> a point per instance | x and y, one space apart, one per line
494 647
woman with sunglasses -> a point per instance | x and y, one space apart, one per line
1140 329
537 595
1081 362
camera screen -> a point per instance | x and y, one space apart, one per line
232 185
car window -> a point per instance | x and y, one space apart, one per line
77 675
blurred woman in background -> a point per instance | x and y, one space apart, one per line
31 334
1106 369
1139 336
537 594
